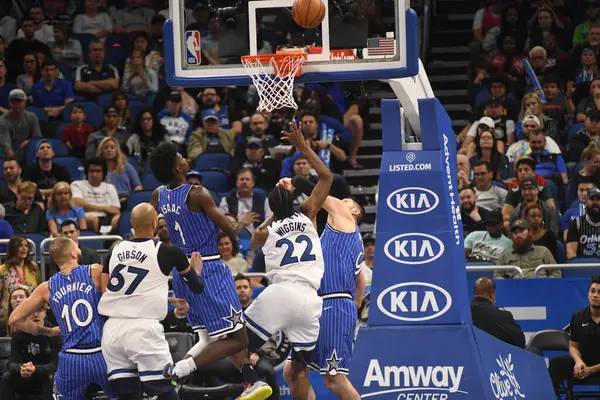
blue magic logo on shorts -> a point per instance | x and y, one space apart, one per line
192 48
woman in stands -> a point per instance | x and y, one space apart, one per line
228 249
532 105
120 173
486 149
31 75
586 73
148 133
152 59
121 102
138 79
542 236
507 56
61 208
586 171
17 296
545 20
589 103
19 270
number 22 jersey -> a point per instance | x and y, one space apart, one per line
293 251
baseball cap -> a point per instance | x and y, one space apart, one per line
17 94
592 114
41 142
593 192
210 113
519 224
254 142
531 118
175 97
111 110
526 160
487 121
368 237
494 101
494 217
528 181
194 173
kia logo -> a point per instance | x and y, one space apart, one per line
413 201
414 248
414 301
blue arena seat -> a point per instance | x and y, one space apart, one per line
135 106
66 71
60 131
92 244
124 227
215 180
94 115
581 272
73 165
39 112
137 198
149 182
209 161
84 39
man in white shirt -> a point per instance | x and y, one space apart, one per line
99 199
42 32
489 196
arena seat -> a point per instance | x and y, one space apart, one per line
149 182
39 112
179 344
60 131
137 198
210 161
581 272
124 227
4 353
216 180
73 166
548 340
66 71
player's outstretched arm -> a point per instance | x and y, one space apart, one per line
313 204
19 319
170 257
201 196
260 234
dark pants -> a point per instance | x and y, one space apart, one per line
561 369
225 371
13 384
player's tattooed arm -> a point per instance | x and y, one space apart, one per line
260 234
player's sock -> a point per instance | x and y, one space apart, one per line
249 374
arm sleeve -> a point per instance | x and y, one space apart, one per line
223 206
469 241
170 257
134 178
76 190
108 24
79 212
78 24
573 234
575 335
34 124
78 73
153 83
478 20
303 184
114 196
560 165
49 368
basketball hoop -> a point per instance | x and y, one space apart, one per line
273 75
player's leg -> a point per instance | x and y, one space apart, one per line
122 373
72 377
295 373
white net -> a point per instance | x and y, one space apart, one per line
274 80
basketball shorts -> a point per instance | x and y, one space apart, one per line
217 309
136 348
76 371
293 308
334 346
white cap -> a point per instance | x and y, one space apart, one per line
487 121
531 118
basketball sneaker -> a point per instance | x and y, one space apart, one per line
256 391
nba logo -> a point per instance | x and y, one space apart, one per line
192 45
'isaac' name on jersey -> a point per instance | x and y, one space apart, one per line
170 208
291 227
132 255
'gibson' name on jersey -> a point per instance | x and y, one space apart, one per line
290 227
132 255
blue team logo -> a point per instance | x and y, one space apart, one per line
192 48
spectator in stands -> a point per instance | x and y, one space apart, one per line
489 196
12 176
65 49
17 296
577 209
258 127
138 79
110 129
93 21
70 229
177 124
229 250
54 11
99 199
532 106
592 12
507 56
369 253
96 77
557 106
465 174
41 31
545 20
77 133
30 76
589 171
18 271
550 166
32 363
244 198
5 89
162 232
8 25
503 127
473 218
530 190
488 244
50 93
498 87
591 133
475 129
522 147
324 141
27 44
61 209
589 103
148 133
44 172
485 20
133 18
486 149
584 352
150 58
542 236
228 117
586 72
25 215
120 100
18 126
121 174
497 322
211 138
265 168
525 255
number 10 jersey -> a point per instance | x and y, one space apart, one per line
293 252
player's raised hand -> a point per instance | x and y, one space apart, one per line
249 218
196 262
294 136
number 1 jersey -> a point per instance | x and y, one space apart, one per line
74 302
137 287
293 251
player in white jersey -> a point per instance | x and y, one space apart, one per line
136 277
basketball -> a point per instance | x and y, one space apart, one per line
308 13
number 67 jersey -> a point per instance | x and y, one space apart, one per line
293 251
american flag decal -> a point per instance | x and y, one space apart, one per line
381 46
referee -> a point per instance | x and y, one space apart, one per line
583 237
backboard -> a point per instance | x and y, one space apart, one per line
357 40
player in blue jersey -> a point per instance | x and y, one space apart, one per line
73 294
342 289
193 220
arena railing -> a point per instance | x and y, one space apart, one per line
485 268
47 241
542 267
33 251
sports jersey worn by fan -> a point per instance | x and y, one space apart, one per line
74 301
217 309
294 264
343 254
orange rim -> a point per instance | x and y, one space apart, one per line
279 58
